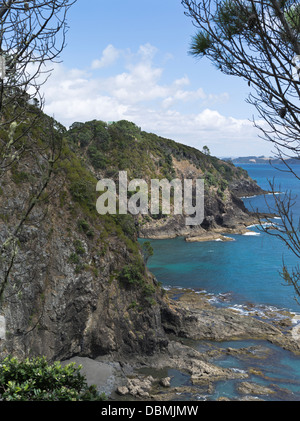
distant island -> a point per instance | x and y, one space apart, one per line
261 160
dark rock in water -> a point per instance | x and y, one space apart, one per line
248 388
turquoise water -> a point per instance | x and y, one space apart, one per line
246 270
241 273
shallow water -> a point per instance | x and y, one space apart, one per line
244 274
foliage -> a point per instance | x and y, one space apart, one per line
257 41
133 274
36 380
32 34
206 150
201 42
84 226
122 146
81 182
147 251
79 248
127 223
292 16
97 158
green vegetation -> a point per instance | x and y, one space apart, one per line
84 227
124 146
80 181
147 251
133 275
79 249
36 380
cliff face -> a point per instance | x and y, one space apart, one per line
76 282
224 211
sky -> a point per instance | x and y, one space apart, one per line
129 59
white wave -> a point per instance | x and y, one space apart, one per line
238 370
213 299
251 233
296 318
249 197
202 291
266 311
203 397
239 308
268 224
224 239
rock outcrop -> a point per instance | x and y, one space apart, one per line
192 316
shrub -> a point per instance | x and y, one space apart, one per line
74 258
36 380
79 248
84 226
132 274
147 251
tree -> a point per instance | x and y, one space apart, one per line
37 380
206 150
44 154
259 41
147 251
32 34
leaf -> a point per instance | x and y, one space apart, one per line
201 42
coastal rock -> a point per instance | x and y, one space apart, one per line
165 382
224 211
245 188
65 295
192 316
248 388
137 387
214 323
208 236
122 390
204 372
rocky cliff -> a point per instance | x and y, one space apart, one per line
74 282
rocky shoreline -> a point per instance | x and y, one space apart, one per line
167 230
194 318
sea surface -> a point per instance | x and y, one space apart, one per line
243 274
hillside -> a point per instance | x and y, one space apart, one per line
122 146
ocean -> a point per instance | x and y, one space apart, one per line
243 274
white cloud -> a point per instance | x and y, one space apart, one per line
136 93
109 56
147 51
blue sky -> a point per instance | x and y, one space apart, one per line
128 59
